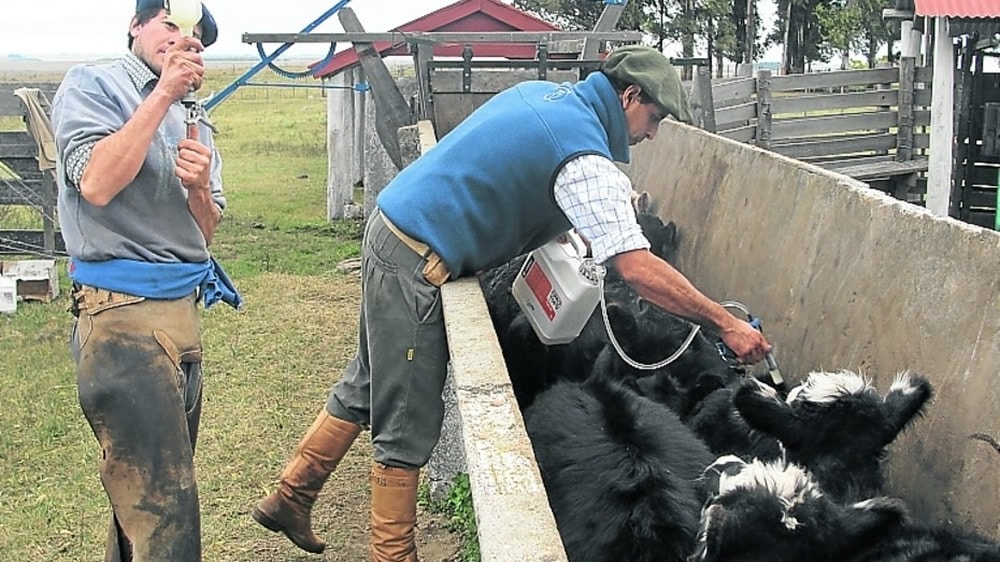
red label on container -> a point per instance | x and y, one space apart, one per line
541 287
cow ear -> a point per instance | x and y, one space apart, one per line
712 535
866 521
905 401
640 201
761 407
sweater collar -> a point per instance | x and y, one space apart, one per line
598 93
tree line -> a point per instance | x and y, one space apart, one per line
808 30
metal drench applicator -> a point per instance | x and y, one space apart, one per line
186 14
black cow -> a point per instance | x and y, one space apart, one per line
620 471
777 512
837 425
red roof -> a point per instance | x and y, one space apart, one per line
958 8
463 16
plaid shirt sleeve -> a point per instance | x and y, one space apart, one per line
76 162
596 197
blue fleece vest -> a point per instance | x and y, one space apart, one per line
483 194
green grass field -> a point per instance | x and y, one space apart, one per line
267 369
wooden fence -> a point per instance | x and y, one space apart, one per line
21 181
867 124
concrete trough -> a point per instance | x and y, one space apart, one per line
842 276
845 277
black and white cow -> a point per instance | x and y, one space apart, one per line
836 425
777 512
620 471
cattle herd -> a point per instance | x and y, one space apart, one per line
703 460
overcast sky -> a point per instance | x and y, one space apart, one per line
87 29
71 28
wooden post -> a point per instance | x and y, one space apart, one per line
48 212
764 116
390 106
939 169
904 130
702 103
881 108
606 22
423 55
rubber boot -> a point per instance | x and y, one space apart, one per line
288 508
394 514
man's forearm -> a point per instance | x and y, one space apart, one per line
117 158
661 284
205 212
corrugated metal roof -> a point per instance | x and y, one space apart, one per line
958 8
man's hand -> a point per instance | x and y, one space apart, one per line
746 342
194 163
183 68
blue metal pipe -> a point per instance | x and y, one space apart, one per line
235 84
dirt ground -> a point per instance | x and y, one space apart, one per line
340 517
341 514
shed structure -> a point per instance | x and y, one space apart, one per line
443 45
956 36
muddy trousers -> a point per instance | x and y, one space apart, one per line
139 384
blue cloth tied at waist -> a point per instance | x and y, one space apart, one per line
159 280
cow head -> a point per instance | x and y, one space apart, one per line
836 424
776 512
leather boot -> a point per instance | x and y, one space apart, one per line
288 508
394 514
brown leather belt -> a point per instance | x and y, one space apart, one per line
435 270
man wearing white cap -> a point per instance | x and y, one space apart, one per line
140 196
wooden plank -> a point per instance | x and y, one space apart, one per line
734 91
836 162
883 169
736 113
983 175
922 97
28 242
24 168
11 105
742 134
840 145
18 151
605 22
980 198
921 141
984 219
821 126
22 192
924 74
443 37
829 102
489 81
836 79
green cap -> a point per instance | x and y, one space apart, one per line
650 70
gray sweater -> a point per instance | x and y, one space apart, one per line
149 220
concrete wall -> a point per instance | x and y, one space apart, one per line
844 277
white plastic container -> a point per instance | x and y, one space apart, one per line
558 288
8 294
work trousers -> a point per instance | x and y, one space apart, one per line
139 385
394 382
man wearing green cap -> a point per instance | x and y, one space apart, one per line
533 162
140 196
